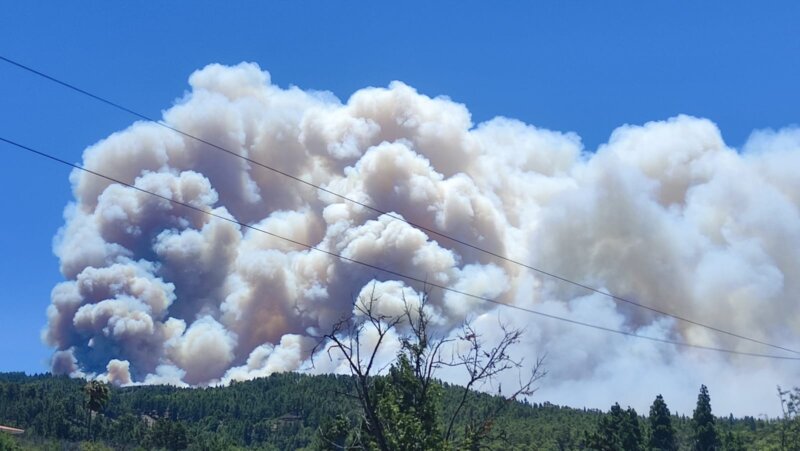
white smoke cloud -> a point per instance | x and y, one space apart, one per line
664 213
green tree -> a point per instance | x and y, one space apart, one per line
333 434
705 431
619 430
91 446
733 442
169 434
662 434
97 396
8 443
403 411
409 409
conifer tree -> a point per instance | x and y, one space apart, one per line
619 430
705 432
631 431
662 434
733 442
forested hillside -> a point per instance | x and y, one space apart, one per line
286 411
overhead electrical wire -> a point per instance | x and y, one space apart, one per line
394 216
311 247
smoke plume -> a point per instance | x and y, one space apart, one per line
664 214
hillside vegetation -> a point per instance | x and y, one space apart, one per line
286 411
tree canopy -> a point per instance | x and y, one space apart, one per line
289 411
705 431
662 433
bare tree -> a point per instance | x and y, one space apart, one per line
345 338
411 383
483 364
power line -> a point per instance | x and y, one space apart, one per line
393 216
389 271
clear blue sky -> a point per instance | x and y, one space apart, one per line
586 67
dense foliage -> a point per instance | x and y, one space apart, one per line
620 429
287 411
705 432
662 434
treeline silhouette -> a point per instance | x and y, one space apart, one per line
288 411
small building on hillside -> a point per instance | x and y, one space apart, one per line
286 420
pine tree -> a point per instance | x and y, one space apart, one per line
662 434
705 432
619 430
631 431
733 442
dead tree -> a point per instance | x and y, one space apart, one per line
483 364
422 352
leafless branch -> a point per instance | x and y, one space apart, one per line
422 349
484 364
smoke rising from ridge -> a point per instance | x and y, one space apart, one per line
664 214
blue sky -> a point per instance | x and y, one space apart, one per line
569 66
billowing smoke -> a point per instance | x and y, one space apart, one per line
664 214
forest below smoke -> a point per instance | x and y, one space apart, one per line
288 411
